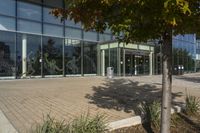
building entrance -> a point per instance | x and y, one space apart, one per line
136 63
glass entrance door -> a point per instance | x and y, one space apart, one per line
136 63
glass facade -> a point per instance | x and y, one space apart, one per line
7 54
126 59
184 53
35 43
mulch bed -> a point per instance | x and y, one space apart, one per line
180 123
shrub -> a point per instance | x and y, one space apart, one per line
152 113
82 124
50 125
192 105
86 124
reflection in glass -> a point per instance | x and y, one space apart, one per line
52 55
113 59
90 36
28 64
49 18
7 23
29 11
54 30
72 57
7 54
53 3
7 7
29 26
73 33
90 58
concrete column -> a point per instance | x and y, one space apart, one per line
24 55
124 62
135 67
103 62
151 63
119 61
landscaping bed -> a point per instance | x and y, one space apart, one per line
180 123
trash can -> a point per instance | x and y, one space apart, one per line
181 69
176 70
110 72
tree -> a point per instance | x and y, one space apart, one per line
140 20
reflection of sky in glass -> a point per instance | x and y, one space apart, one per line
186 42
9 40
29 11
7 7
49 18
7 23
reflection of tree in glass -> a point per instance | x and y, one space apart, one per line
52 56
71 65
183 57
6 64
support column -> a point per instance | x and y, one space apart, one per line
124 62
103 62
151 63
135 66
119 61
24 56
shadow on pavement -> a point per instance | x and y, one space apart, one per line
190 79
125 95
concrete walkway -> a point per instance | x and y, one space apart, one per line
26 102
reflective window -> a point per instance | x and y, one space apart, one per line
28 26
72 24
113 59
73 33
28 55
72 57
90 36
53 30
49 18
33 1
52 54
104 37
54 3
7 7
7 54
29 11
7 23
90 58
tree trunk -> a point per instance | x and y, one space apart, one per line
166 82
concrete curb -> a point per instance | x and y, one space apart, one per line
133 121
5 125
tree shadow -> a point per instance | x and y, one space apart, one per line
126 95
190 79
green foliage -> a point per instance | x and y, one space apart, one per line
50 125
192 105
137 20
152 113
82 124
85 124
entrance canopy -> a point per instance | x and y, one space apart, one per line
126 59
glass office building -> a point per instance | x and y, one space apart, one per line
33 43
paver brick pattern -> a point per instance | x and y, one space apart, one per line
26 102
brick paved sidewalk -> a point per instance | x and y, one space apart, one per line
25 102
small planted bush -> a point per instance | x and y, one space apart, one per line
82 124
50 125
192 105
87 124
152 113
